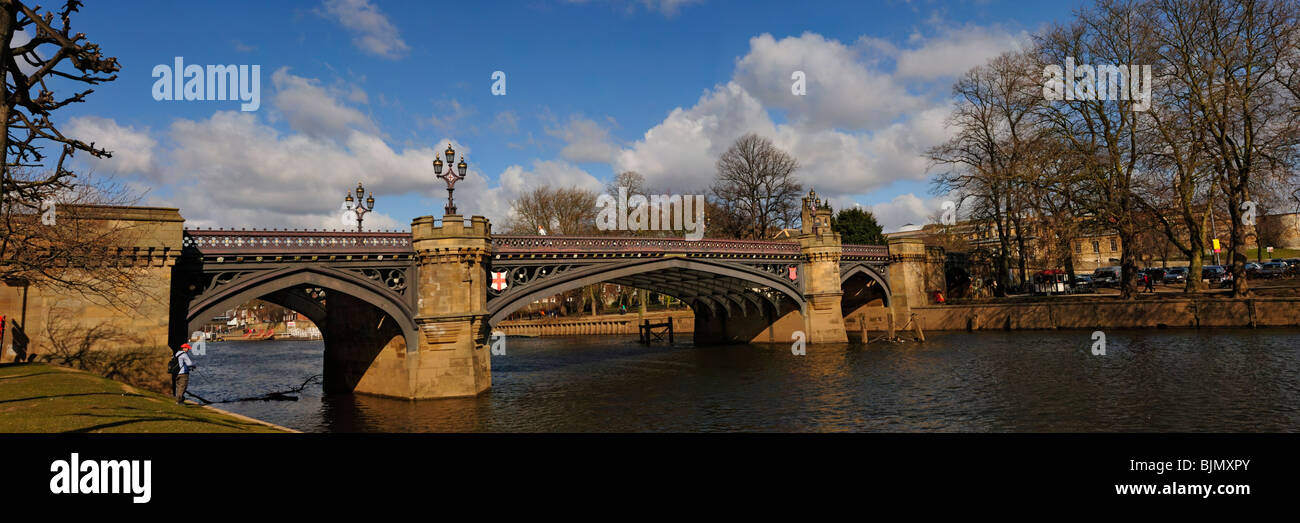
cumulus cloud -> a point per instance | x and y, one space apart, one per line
232 170
585 141
955 50
862 126
906 209
132 149
315 110
842 90
371 29
494 201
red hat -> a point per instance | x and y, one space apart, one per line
185 346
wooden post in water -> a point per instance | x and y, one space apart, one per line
890 321
916 327
862 325
670 329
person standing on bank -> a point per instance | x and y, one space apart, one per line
181 377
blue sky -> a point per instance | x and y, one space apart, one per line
371 90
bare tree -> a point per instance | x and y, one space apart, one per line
756 186
28 101
570 211
985 163
55 231
1228 58
1105 134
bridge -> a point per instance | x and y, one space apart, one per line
408 315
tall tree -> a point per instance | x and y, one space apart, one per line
985 162
1104 133
756 185
1229 58
857 227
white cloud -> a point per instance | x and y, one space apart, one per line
315 110
955 50
132 149
585 141
861 127
906 209
494 202
373 32
231 170
679 154
841 90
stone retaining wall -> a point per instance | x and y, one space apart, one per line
1246 312
683 322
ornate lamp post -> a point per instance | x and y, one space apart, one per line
360 208
452 176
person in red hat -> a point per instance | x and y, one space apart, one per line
181 375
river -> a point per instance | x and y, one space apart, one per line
1175 380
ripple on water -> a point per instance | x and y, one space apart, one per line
1031 381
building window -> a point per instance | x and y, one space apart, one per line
1113 245
1078 247
1096 246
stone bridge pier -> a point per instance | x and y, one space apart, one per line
450 355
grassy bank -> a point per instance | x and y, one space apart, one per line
36 397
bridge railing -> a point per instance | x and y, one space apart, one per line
628 245
606 244
224 241
865 251
271 241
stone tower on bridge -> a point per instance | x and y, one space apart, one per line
820 249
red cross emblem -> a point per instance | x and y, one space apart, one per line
794 273
499 281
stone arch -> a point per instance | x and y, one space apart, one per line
736 276
870 272
273 282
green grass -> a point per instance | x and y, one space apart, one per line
36 397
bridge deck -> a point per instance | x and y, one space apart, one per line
291 242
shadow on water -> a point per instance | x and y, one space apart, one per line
1027 381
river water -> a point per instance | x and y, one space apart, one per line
1227 380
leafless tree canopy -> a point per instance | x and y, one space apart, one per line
51 219
1220 131
53 52
569 211
755 192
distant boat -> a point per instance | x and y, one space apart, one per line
254 335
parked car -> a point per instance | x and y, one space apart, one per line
1252 270
1175 275
1083 283
1216 275
1273 270
1106 277
1156 273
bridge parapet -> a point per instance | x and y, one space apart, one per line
272 241
606 245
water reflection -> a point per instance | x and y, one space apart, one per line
1150 380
